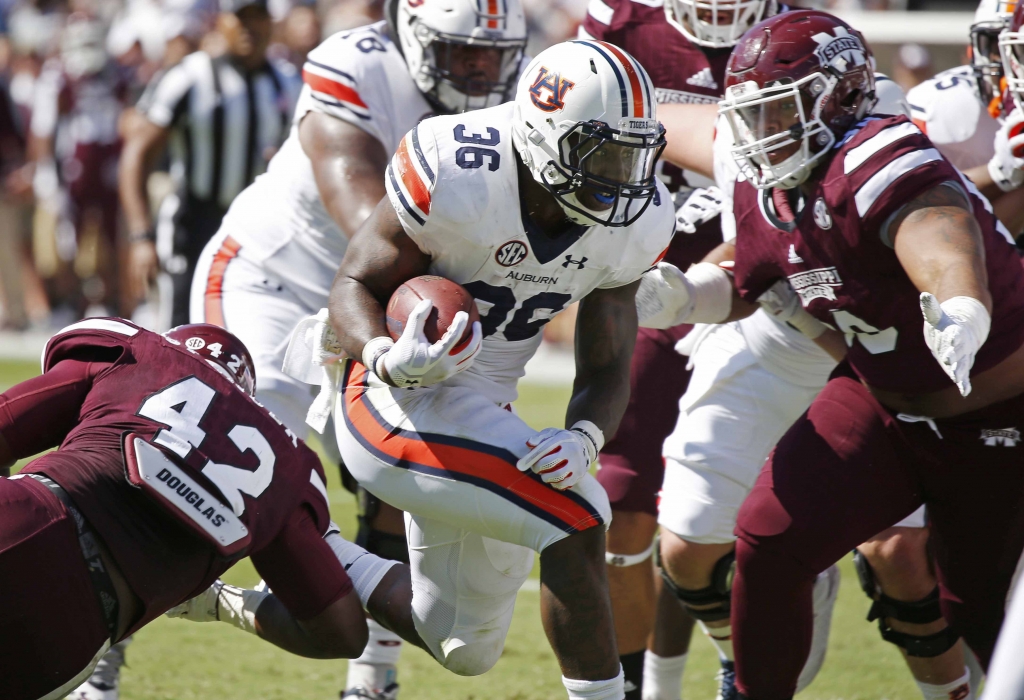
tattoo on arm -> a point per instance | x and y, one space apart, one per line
940 245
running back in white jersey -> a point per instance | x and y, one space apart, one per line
948 110
454 184
357 76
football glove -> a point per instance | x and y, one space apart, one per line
954 331
222 603
667 297
1005 168
562 457
413 361
203 608
701 206
783 304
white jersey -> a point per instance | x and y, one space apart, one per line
454 184
280 221
948 110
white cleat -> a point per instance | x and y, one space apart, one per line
105 680
826 589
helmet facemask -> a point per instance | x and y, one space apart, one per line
605 175
459 74
714 23
1011 48
779 130
986 60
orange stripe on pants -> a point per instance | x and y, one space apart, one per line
457 460
212 302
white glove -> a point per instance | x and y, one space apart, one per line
562 457
203 608
1006 170
701 206
664 296
413 361
783 304
954 331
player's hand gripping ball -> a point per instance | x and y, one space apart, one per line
436 328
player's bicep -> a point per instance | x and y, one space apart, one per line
606 327
348 166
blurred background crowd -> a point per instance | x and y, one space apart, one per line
73 71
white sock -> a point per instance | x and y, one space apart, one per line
721 637
960 689
366 570
663 676
376 668
612 689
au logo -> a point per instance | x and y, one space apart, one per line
548 90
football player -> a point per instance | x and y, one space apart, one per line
862 215
274 258
531 206
166 473
1006 168
684 45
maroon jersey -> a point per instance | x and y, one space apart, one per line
137 382
837 254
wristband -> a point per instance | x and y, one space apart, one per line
374 350
593 434
969 312
237 607
711 293
148 236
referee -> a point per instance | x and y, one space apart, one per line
223 118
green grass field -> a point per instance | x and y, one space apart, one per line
176 660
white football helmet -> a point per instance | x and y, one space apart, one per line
463 54
83 48
717 23
585 125
991 19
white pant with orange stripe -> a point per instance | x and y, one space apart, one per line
233 292
447 456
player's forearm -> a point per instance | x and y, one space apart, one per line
356 315
132 187
601 398
981 178
305 638
834 343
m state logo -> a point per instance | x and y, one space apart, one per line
1007 437
548 90
511 253
842 51
821 216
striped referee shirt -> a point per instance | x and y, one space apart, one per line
226 123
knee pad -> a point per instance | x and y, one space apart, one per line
918 612
383 544
714 602
473 659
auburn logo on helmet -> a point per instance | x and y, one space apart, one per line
548 90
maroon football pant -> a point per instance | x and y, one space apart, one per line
848 469
50 621
631 465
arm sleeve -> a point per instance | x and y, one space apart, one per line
410 179
164 100
345 78
38 414
301 569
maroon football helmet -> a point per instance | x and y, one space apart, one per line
794 84
221 349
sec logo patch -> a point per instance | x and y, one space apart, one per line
512 253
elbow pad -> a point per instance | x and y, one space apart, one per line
668 298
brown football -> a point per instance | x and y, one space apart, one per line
448 298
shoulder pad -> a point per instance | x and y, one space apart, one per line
92 334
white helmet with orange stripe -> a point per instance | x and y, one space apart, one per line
585 126
463 54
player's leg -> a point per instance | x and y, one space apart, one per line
631 470
52 632
974 512
447 456
839 475
895 571
668 646
732 414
